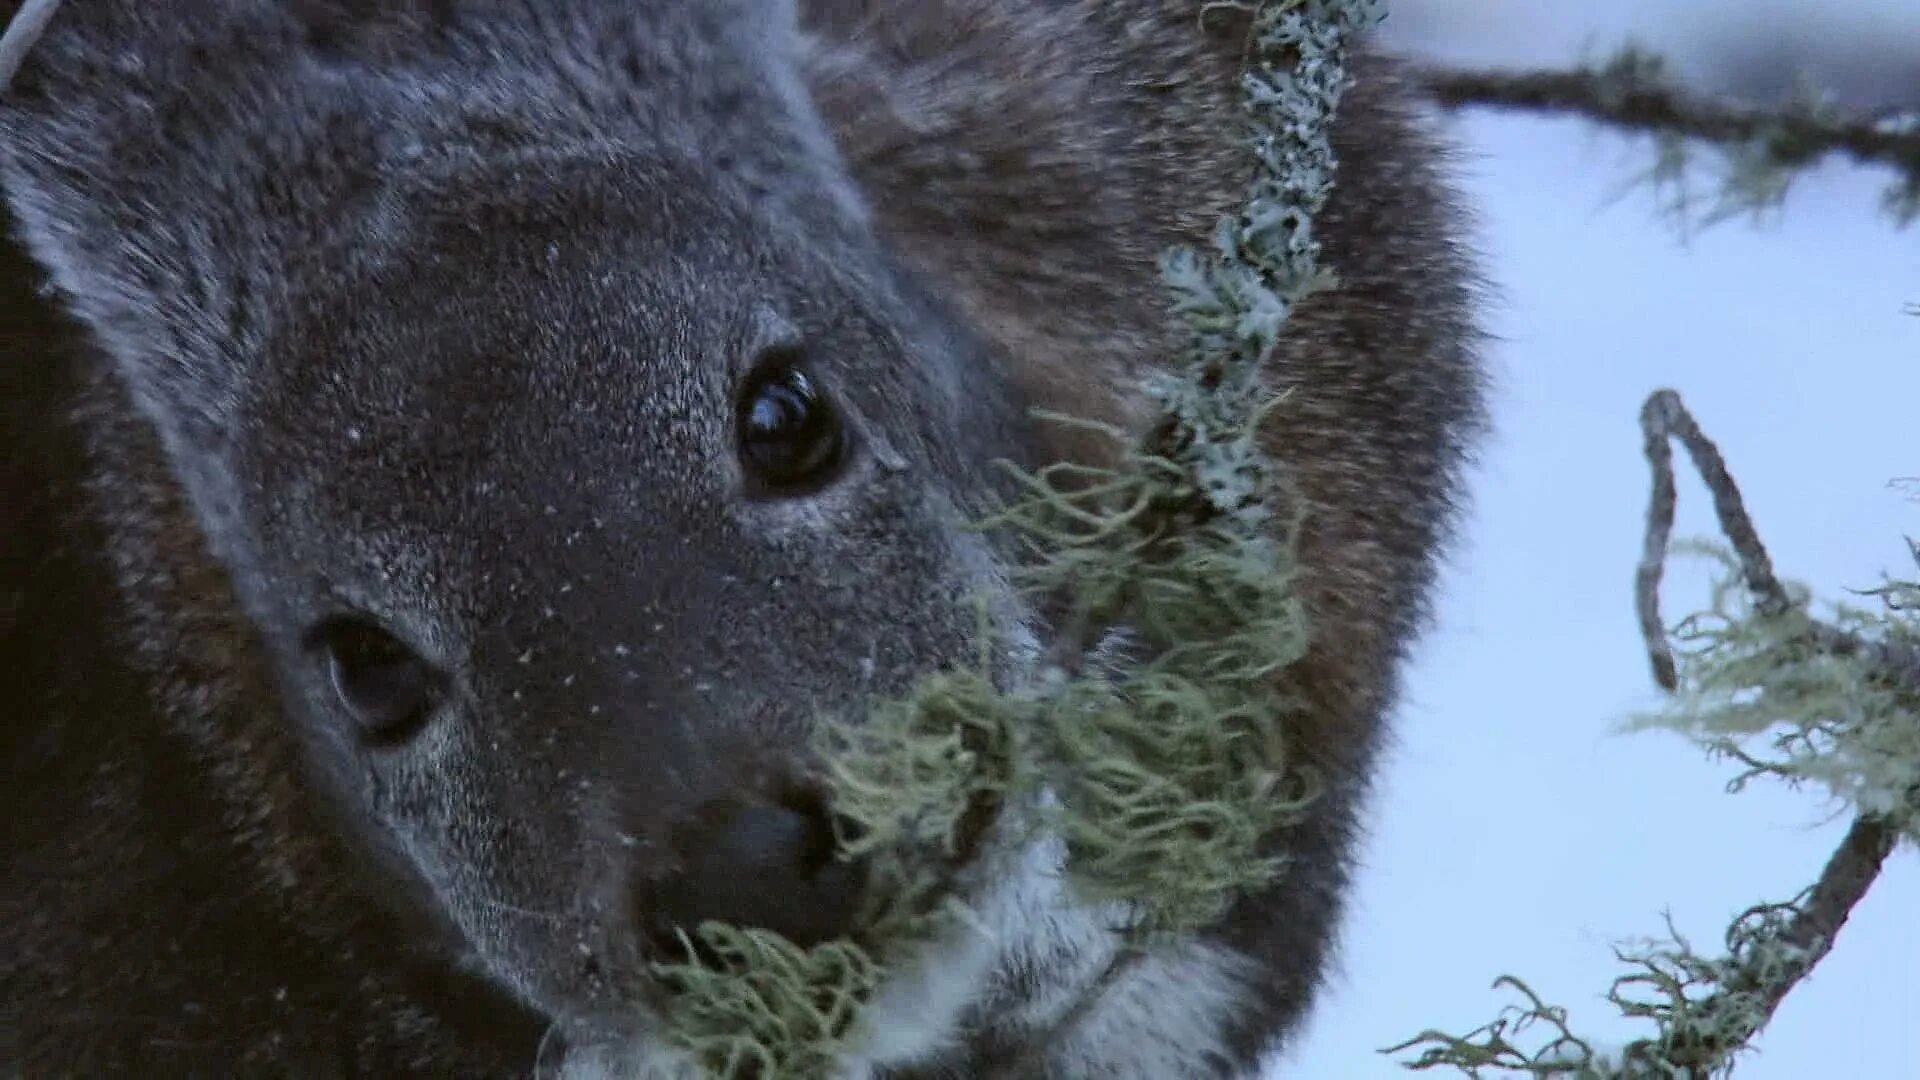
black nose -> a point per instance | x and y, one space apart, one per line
759 864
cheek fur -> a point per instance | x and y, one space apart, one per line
505 857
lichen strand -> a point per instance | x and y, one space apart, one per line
760 1006
1171 775
1767 690
909 782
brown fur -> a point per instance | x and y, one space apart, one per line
1030 159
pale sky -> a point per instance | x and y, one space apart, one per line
1515 830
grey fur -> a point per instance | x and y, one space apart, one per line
435 310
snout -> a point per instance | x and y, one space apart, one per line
755 860
770 860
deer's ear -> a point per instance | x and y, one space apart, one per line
174 170
162 175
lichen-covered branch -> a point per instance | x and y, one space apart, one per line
1706 1009
1765 147
1838 698
1837 703
1663 419
1824 909
1172 777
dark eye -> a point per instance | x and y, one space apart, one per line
388 688
790 436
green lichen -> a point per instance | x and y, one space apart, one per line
1768 690
1174 776
906 782
1172 773
751 1003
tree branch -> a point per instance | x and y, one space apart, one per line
1663 419
1765 148
1843 883
1634 92
1856 863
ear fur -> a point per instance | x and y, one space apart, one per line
165 169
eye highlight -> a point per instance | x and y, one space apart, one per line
791 438
386 687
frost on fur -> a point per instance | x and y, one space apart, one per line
1172 774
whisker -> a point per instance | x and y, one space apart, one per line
540 1054
543 916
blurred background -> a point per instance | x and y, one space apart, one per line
1865 51
1515 830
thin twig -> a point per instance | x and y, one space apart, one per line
1856 862
1636 95
1664 418
25 29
